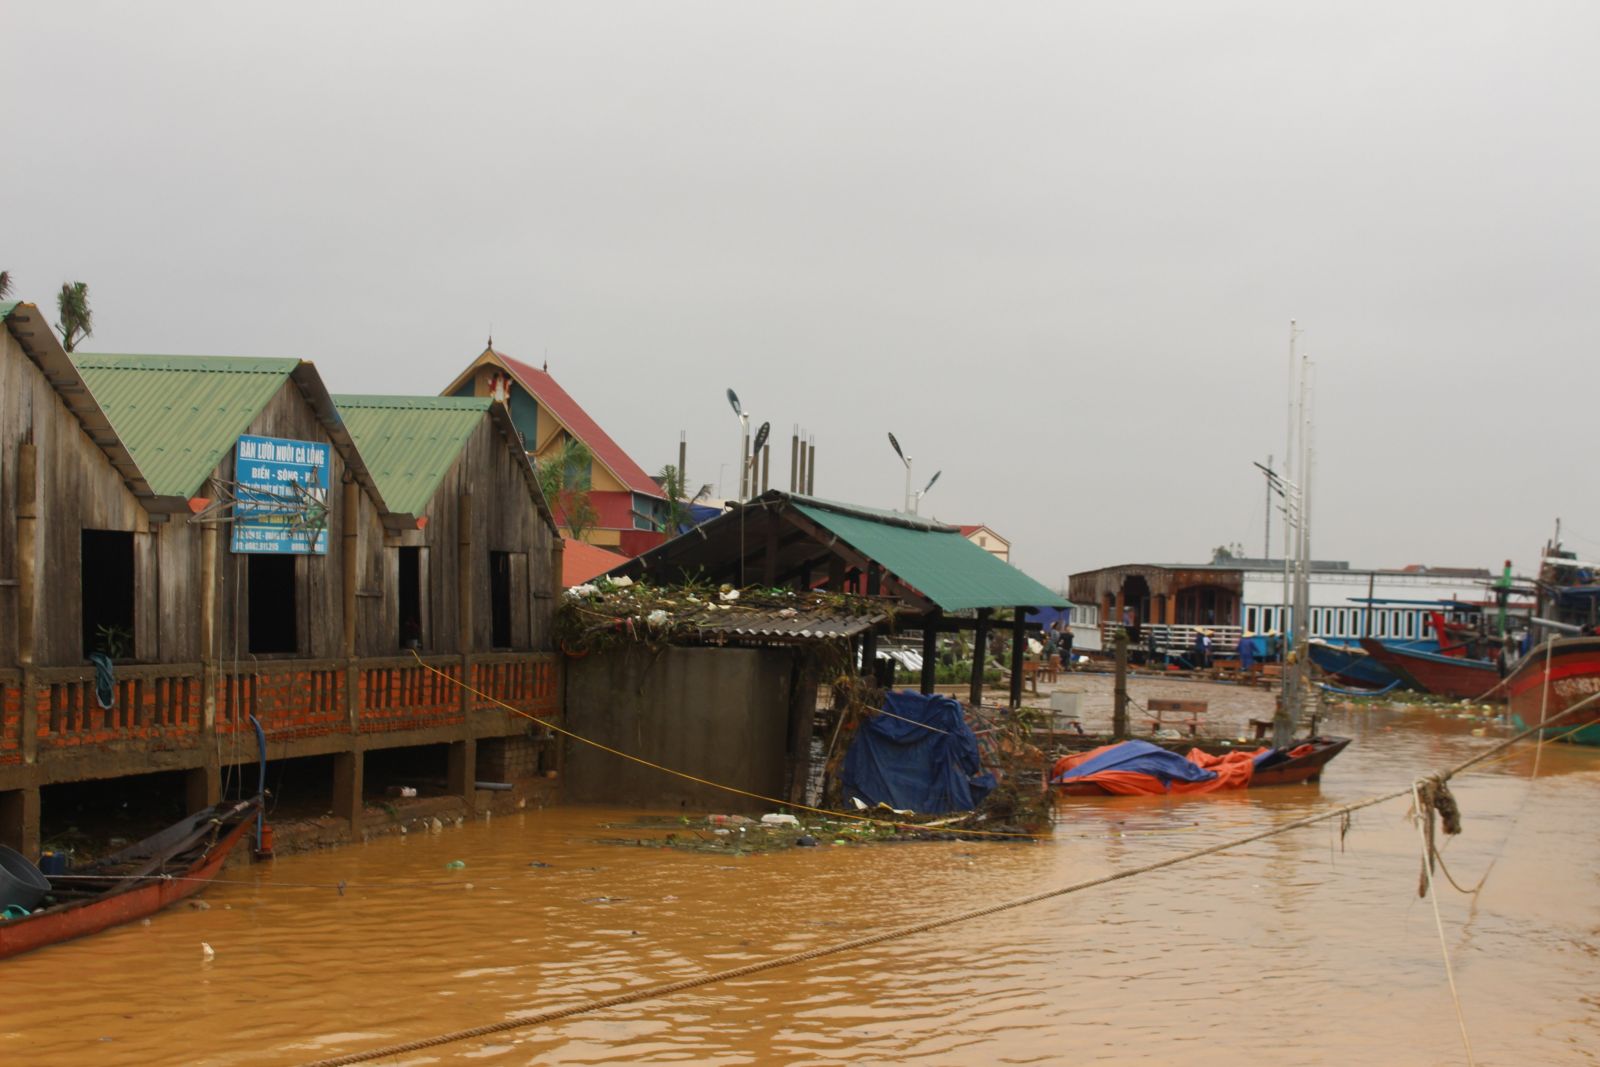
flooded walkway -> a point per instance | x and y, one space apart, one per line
1293 950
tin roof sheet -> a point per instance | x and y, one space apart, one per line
179 415
410 442
937 561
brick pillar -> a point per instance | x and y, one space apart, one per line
19 820
463 773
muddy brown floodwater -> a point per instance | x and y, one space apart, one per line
1293 950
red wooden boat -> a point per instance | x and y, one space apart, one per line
1429 672
136 882
1574 675
1290 770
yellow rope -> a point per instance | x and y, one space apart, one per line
718 785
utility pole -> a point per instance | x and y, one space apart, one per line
1266 521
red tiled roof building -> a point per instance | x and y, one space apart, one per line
628 502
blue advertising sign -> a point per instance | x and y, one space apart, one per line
282 496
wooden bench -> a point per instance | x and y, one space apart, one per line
1190 713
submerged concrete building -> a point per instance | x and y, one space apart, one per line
236 549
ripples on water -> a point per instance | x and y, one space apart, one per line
1293 950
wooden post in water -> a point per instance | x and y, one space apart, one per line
980 652
1119 700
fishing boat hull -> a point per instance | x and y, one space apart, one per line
136 899
1573 675
1351 666
1430 672
1306 767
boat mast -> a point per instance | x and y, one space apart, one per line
1288 478
1298 506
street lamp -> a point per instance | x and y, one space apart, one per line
744 432
907 461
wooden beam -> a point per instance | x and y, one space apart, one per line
930 650
1019 637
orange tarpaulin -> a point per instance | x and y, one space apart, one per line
1233 771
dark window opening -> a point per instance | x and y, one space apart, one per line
106 582
410 598
272 598
500 599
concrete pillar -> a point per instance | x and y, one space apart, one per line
19 820
463 772
347 787
202 787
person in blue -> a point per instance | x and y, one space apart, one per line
1247 652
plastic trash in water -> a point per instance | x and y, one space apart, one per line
780 820
454 865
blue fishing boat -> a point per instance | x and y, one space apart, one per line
1352 666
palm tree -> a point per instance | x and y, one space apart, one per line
678 516
5 284
564 477
77 320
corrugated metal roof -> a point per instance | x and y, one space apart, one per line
410 442
945 567
179 415
7 306
774 626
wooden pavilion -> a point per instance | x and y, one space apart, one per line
934 579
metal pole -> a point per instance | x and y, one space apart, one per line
908 486
1266 521
1288 477
811 469
744 457
1119 704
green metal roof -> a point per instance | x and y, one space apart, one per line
937 561
410 442
7 307
179 415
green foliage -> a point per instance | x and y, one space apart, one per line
678 513
77 319
564 477
957 673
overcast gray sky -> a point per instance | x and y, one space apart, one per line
1053 247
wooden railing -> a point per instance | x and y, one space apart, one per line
159 702
164 705
401 694
527 683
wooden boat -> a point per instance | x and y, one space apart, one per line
1573 675
1350 665
138 881
1430 672
1289 770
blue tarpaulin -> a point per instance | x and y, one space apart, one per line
906 765
1141 757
